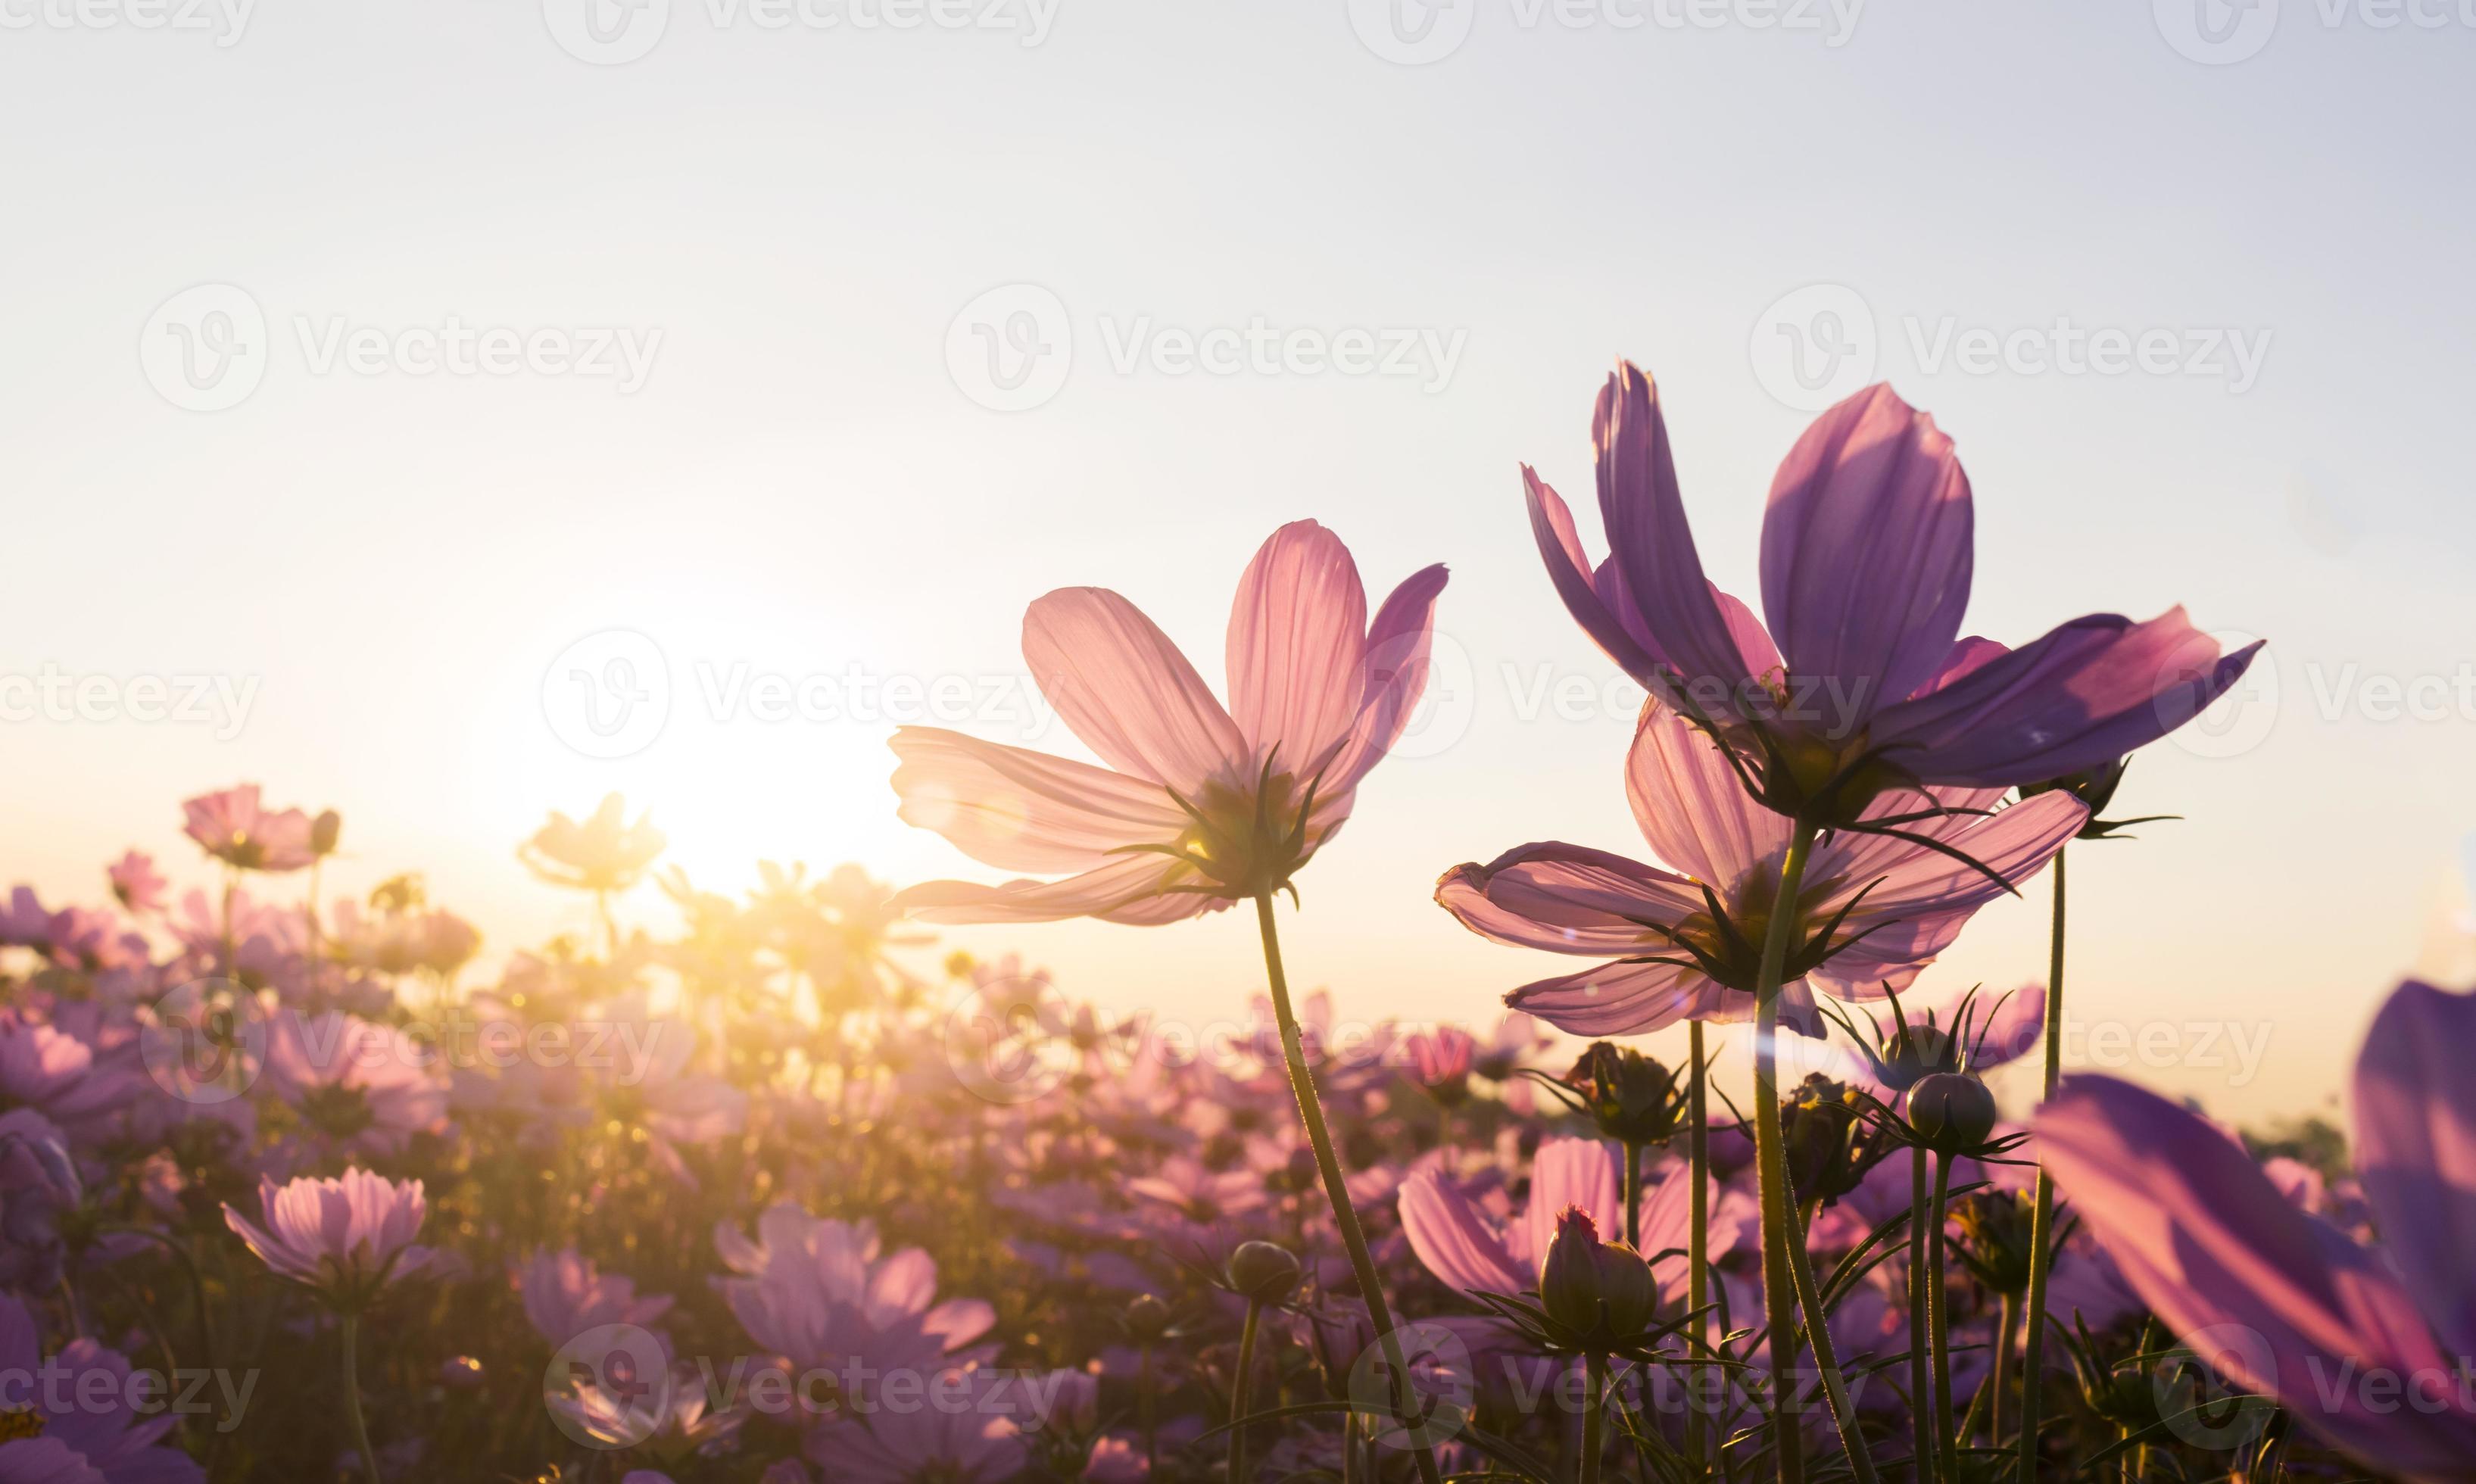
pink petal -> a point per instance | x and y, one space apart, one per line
1567 1172
1867 549
1456 1241
1021 810
1628 998
1601 616
1124 891
1129 693
1565 898
1691 808
1297 630
1393 675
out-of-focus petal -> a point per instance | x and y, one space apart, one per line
1867 550
1456 1243
1564 1173
1128 692
2279 1303
2416 1149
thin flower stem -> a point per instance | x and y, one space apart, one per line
1594 1417
2042 1223
1921 1380
353 1398
1146 1415
1771 1159
1696 1254
1633 1195
1238 1384
1344 1215
2006 1335
1787 1273
1939 1296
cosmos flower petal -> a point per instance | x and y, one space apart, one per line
1298 632
1867 550
1567 899
1021 810
1456 1241
1650 541
1129 693
1690 805
2416 1149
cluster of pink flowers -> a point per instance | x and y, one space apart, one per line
776 1194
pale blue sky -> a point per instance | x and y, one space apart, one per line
801 487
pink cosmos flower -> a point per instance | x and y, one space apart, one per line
818 1294
566 1295
1683 945
1200 807
360 1085
960 1434
71 1418
2363 1346
233 827
1464 1245
136 882
1866 563
347 1237
1440 1058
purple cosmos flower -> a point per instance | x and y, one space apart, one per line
363 1087
1866 563
1682 944
37 1182
962 1431
2365 1346
71 1418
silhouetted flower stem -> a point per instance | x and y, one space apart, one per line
1697 1281
353 1398
1939 1296
1920 1367
1344 1215
1595 1417
1238 1384
1788 1278
2042 1223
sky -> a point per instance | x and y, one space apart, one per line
380 376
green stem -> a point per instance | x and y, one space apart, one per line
1633 1196
1771 1158
1144 1413
2007 1334
1788 1272
1337 1192
1921 1395
353 1398
1238 1393
1843 1413
2043 1222
1697 1253
1594 1418
1939 1299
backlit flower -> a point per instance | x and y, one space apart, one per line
347 1237
234 829
1199 806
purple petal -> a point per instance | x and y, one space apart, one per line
2416 1149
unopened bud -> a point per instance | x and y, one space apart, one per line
1951 1111
1598 1292
1262 1272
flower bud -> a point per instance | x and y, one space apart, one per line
324 831
1262 1272
1951 1111
1147 1319
1596 1292
1631 1097
1830 1145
